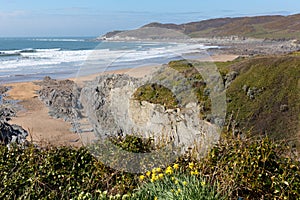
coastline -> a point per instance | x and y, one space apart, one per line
45 130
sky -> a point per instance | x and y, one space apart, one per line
28 18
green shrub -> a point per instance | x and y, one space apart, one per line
156 94
61 173
253 169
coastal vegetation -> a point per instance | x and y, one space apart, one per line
250 168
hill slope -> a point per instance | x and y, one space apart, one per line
277 27
265 98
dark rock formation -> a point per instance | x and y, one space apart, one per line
9 133
3 89
7 111
12 133
62 98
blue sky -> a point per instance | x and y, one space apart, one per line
95 17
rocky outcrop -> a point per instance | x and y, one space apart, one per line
230 77
252 92
9 133
7 109
109 105
12 133
61 96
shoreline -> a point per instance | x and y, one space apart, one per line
45 130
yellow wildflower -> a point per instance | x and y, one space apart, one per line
154 178
155 198
184 183
158 169
191 165
203 183
148 173
173 178
161 175
169 170
175 166
195 172
142 177
176 182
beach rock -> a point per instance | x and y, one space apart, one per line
3 89
61 96
7 111
7 108
12 133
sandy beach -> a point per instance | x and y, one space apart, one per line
45 130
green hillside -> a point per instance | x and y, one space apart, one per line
265 97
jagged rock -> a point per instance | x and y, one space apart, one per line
12 133
111 110
62 98
7 109
6 112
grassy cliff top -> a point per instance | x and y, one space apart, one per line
264 98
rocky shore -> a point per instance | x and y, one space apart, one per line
9 133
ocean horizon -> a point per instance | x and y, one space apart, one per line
33 58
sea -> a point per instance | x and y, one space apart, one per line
33 58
